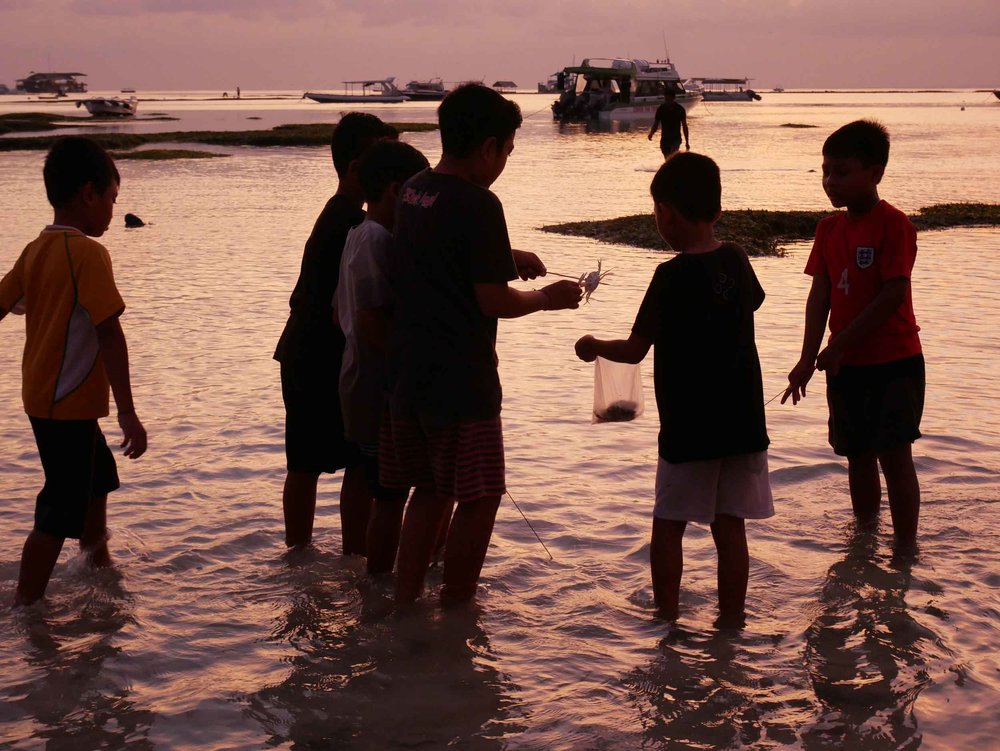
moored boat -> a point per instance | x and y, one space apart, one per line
116 106
431 90
52 83
373 90
723 89
609 89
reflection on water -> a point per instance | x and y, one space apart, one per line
72 695
361 680
867 657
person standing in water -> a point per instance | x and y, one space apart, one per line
673 118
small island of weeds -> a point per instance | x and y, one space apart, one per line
762 233
162 155
797 125
312 134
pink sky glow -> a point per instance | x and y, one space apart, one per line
307 44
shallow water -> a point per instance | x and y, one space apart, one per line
208 635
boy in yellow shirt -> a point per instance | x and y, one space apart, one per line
74 353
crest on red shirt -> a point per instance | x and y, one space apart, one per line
865 257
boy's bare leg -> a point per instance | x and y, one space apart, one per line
465 549
442 536
416 542
298 502
355 509
866 487
666 563
903 489
38 558
94 541
383 534
729 533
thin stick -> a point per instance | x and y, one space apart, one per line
551 558
775 396
564 276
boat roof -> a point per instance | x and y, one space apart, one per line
721 80
371 81
53 75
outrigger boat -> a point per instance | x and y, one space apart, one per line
110 106
369 90
723 89
609 89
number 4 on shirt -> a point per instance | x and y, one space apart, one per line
844 282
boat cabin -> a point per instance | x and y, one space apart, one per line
52 83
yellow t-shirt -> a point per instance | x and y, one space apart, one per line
64 282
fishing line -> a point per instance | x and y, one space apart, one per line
551 558
776 396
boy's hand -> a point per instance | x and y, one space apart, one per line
133 435
529 266
829 359
797 381
586 348
649 137
563 295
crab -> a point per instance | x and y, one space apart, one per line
590 281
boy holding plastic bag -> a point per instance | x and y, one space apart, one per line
699 312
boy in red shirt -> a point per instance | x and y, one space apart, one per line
861 263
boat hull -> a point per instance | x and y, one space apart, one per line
640 111
730 96
113 107
354 98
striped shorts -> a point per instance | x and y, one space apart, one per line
463 462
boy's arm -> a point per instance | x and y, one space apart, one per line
373 326
501 301
656 124
114 355
631 350
684 125
817 311
877 312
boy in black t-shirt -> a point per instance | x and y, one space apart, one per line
311 350
453 262
698 311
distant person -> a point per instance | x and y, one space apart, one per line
452 264
237 92
672 117
861 264
311 350
74 352
699 314
364 302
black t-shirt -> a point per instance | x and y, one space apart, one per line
670 115
698 312
450 235
310 333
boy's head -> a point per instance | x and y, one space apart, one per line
353 136
81 181
689 186
854 160
669 95
385 166
478 124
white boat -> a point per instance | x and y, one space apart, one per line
100 105
431 90
607 89
370 90
551 85
723 89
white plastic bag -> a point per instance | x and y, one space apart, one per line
617 391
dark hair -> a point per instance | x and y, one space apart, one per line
353 135
471 114
72 162
388 162
691 184
868 140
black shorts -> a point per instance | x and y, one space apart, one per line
78 466
875 407
314 424
670 147
370 461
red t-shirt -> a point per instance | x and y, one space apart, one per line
858 255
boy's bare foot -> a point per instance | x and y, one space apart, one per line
667 614
99 557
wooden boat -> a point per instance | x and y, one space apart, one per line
373 90
723 89
431 90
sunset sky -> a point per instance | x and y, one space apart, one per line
303 44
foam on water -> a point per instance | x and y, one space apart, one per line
207 634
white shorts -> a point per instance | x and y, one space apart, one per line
698 491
